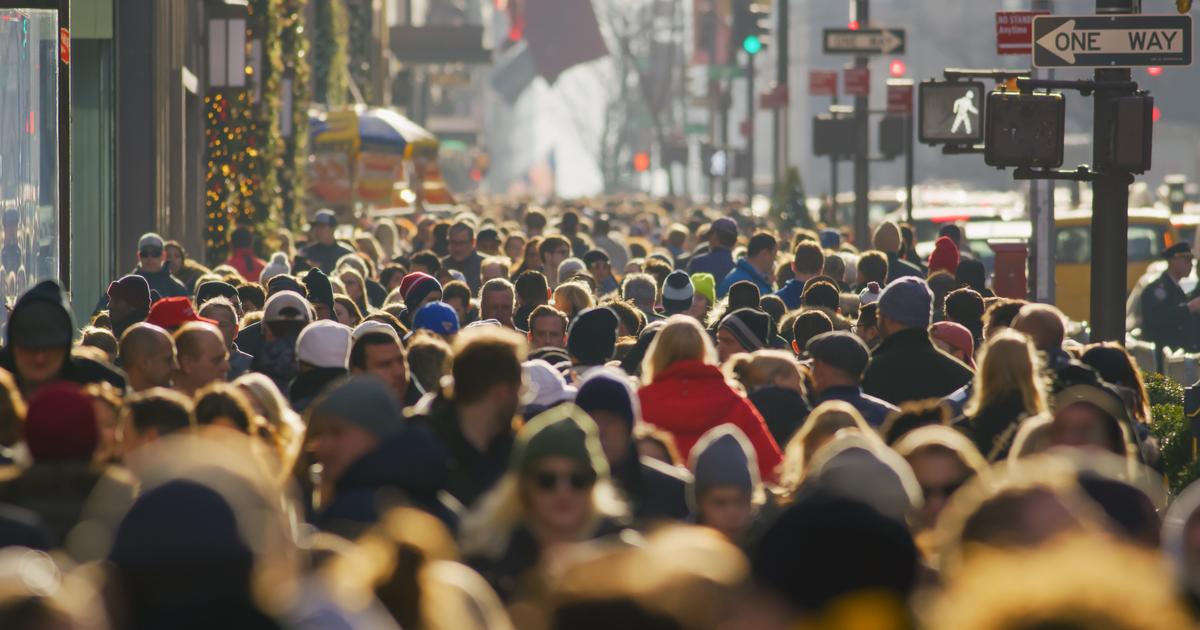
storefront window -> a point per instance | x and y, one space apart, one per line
29 160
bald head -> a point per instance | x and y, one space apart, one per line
1044 324
203 356
147 354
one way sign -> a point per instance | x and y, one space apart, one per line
1096 41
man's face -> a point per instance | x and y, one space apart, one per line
151 259
1181 265
39 366
727 345
386 363
547 332
209 365
552 258
461 244
940 474
322 311
615 435
699 309
490 271
337 444
322 233
600 270
158 366
490 247
764 261
1084 426
498 305
226 323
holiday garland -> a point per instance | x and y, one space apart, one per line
330 67
361 37
294 159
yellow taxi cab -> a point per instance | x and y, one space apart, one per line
1150 232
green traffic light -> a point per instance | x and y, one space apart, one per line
752 44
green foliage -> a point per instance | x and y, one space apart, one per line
293 172
330 65
1162 390
361 23
788 207
1174 434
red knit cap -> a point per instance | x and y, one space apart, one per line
61 423
958 337
411 280
944 256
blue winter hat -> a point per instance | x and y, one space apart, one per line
438 317
609 390
723 456
907 301
830 238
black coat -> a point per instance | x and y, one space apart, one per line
471 473
308 385
783 409
907 366
1166 320
408 468
993 428
655 490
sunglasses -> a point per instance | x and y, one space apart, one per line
577 480
151 253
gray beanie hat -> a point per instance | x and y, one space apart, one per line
723 456
907 301
364 401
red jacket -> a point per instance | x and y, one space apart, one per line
691 397
247 264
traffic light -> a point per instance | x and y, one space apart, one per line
833 135
1024 130
751 25
891 135
1133 140
897 68
641 162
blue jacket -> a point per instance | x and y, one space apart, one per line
743 270
791 293
873 410
718 262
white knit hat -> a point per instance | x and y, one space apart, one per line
278 266
324 344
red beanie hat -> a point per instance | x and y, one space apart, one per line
944 256
61 423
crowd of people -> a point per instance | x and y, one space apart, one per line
622 415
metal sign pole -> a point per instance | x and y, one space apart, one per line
1041 215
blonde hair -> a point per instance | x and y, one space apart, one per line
762 367
822 424
1033 437
941 436
681 339
1008 362
575 294
487 529
284 425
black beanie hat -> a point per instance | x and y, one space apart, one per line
751 328
319 289
821 293
744 294
592 336
677 292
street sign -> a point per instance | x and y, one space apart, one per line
1014 32
900 96
858 81
775 98
865 41
951 112
822 83
1096 41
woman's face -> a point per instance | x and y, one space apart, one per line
354 288
558 495
939 473
563 304
175 259
514 248
343 315
434 296
106 419
1082 425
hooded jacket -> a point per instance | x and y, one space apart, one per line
75 369
163 282
691 397
655 490
783 409
308 385
249 265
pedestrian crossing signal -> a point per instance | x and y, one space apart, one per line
1025 130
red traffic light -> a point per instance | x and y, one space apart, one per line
641 162
1155 114
853 25
897 68
1154 71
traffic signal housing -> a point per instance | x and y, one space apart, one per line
833 135
1133 141
751 26
891 135
1024 130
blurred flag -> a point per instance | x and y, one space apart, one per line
561 35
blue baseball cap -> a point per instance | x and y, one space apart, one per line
438 317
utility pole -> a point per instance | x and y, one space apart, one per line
862 181
749 127
1041 215
1110 201
780 114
